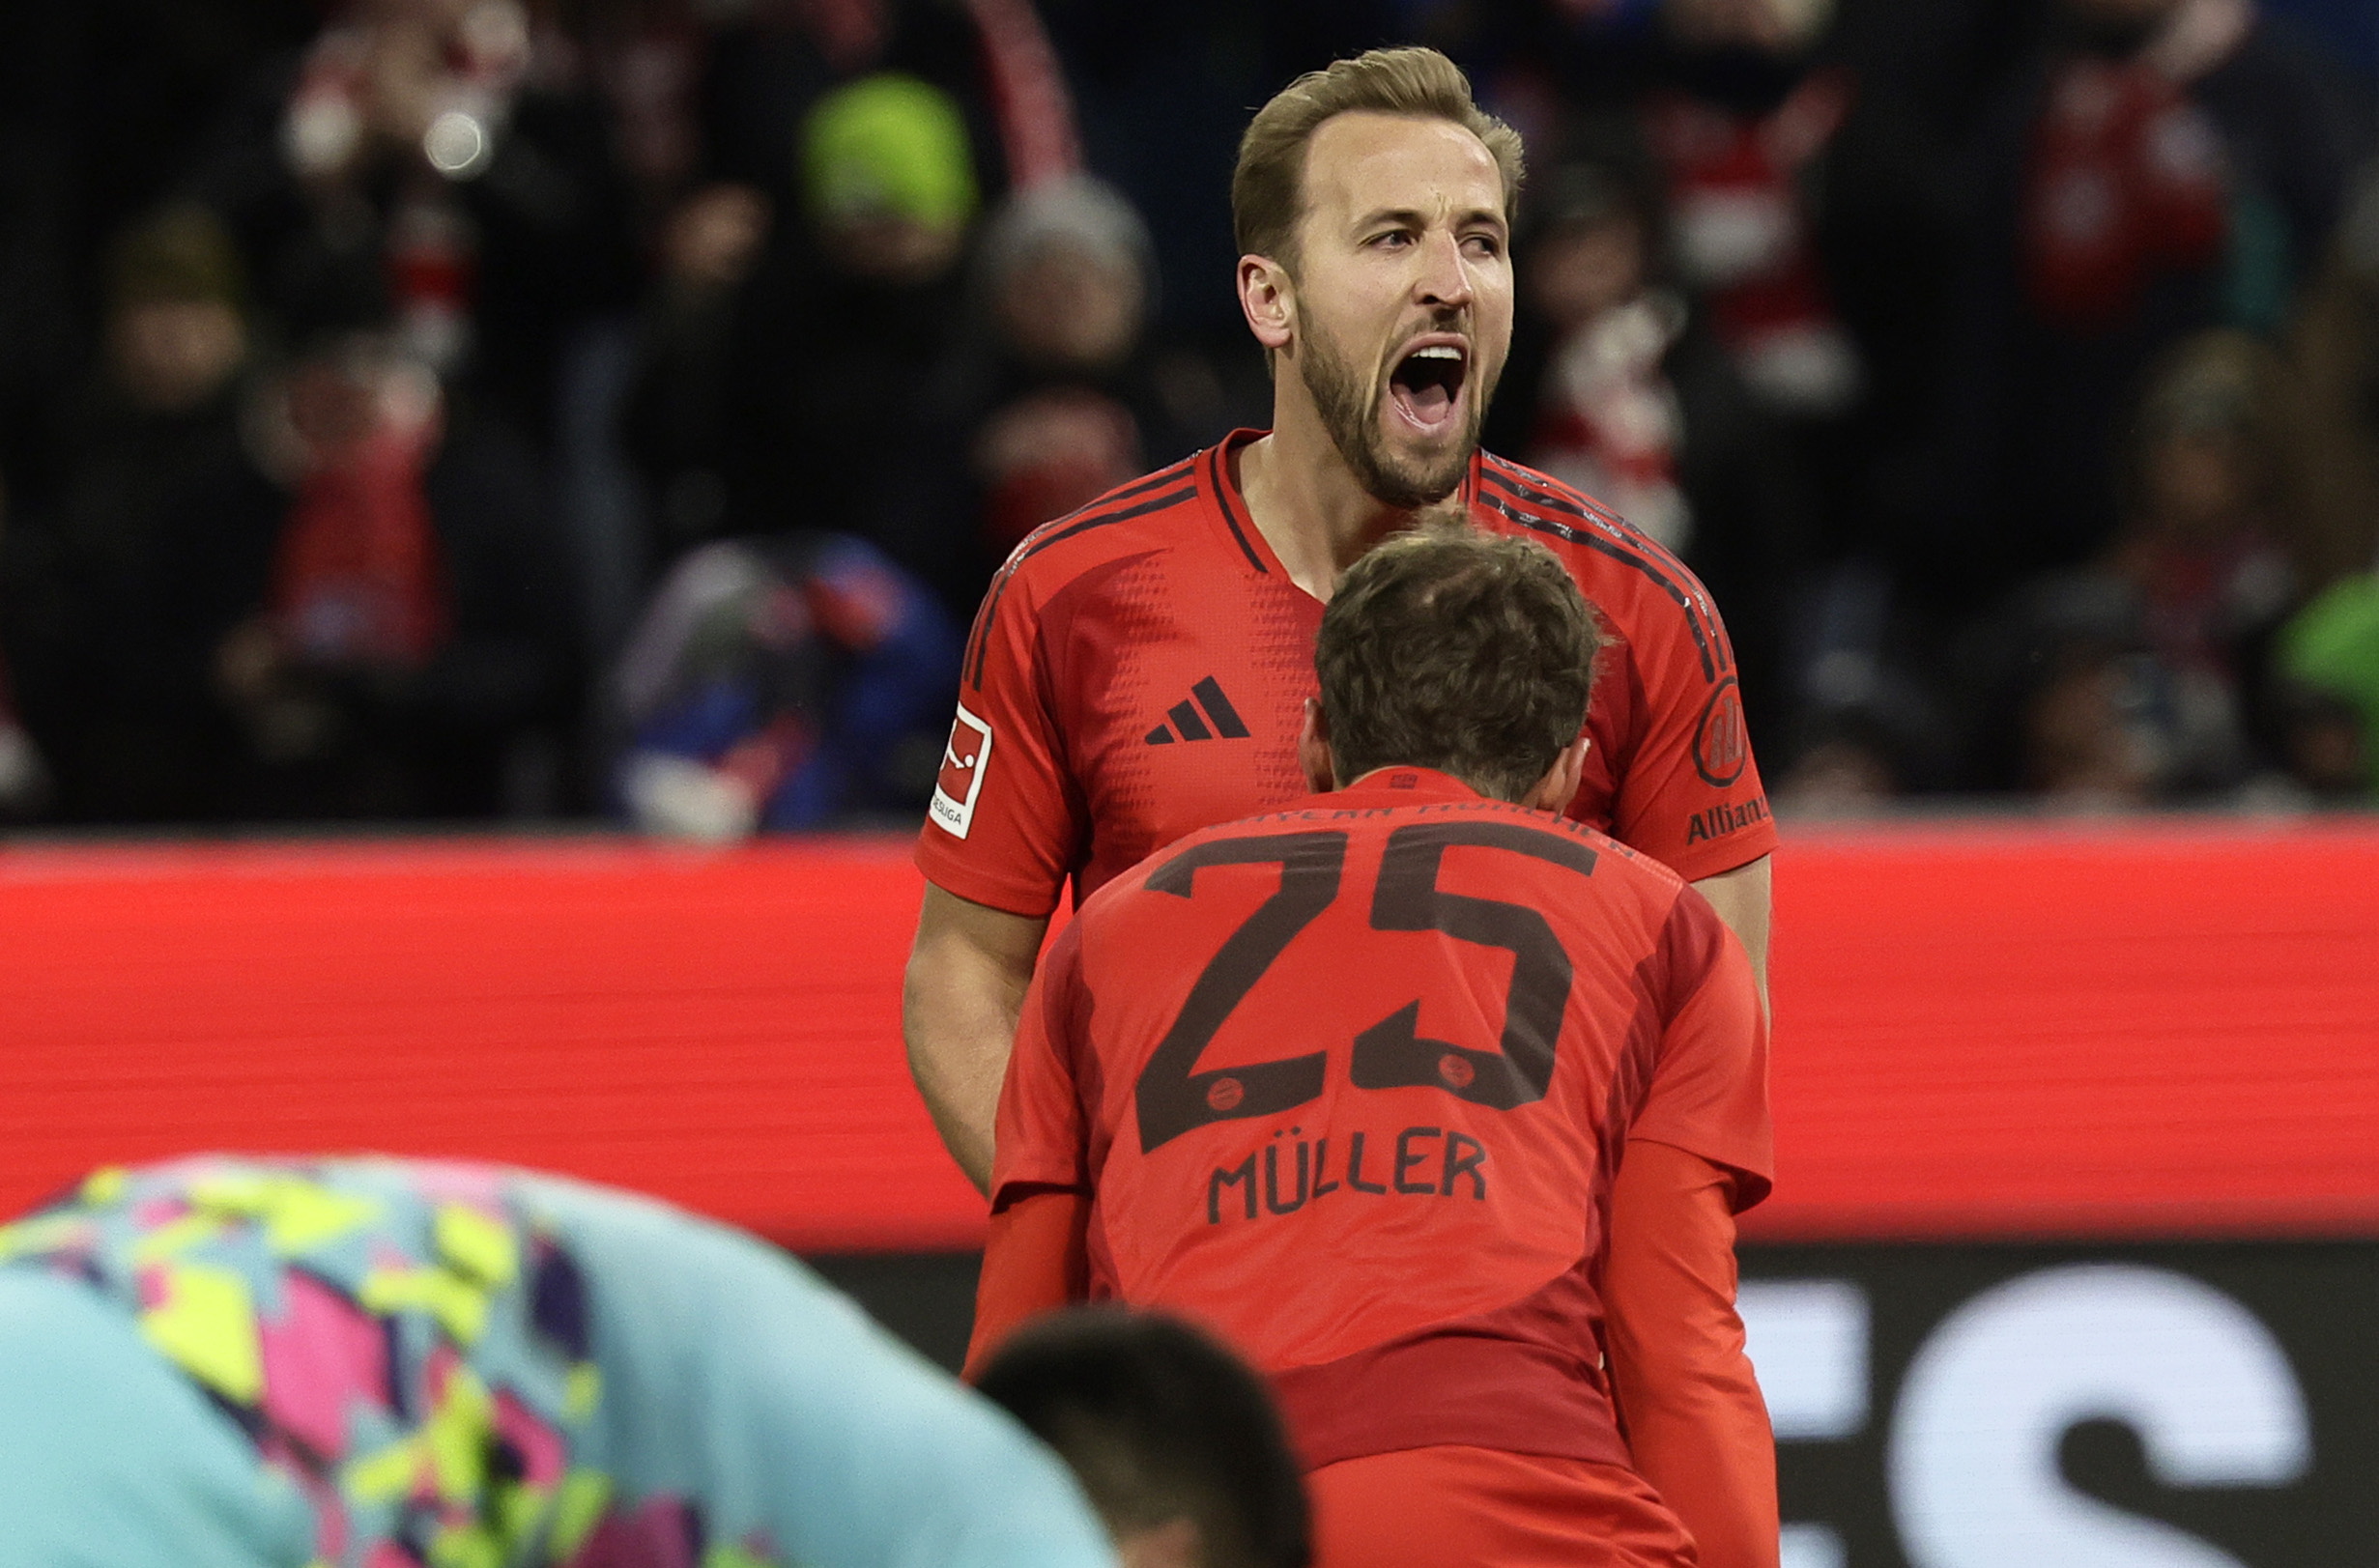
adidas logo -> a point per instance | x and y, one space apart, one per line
1206 714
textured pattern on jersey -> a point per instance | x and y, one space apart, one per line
1093 668
1139 499
1113 616
1281 650
1544 506
399 1341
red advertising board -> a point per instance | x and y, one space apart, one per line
1983 1031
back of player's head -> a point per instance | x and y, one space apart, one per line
1451 648
1160 1424
1268 197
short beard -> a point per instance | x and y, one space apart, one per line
1351 414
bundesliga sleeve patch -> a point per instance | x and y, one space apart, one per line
963 760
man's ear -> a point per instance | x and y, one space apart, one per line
1267 297
1560 786
1313 750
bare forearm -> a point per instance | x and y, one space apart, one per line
1743 898
958 1048
965 984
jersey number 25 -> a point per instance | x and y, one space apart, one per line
1172 1095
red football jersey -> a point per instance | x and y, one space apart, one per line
1349 1082
1140 671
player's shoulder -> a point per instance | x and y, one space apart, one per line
1516 497
1148 511
1309 814
1626 894
1630 576
1613 863
1619 876
1563 839
1153 513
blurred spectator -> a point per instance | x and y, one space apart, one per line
151 443
2164 166
1749 110
1063 395
334 602
1874 723
1606 414
1847 772
2328 655
397 647
103 109
2142 678
788 382
443 143
688 428
890 181
2335 348
176 334
766 64
781 684
647 58
1618 385
24 775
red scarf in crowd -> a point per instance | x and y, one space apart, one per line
359 580
1609 421
1744 241
2126 179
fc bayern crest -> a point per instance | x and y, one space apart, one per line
1720 747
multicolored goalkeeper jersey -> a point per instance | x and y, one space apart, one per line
236 1363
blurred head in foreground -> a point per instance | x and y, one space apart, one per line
228 1361
1175 1442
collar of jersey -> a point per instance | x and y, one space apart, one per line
1385 786
1231 502
1230 505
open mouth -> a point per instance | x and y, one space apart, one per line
1426 384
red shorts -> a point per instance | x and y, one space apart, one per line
1460 1507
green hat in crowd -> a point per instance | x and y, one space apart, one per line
2333 647
889 146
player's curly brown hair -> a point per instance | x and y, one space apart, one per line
1268 196
1451 648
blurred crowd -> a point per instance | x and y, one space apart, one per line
531 410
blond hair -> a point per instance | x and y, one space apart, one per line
1268 197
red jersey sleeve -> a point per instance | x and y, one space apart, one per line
1709 1095
1033 1262
1697 1425
1038 1137
1690 794
1004 818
